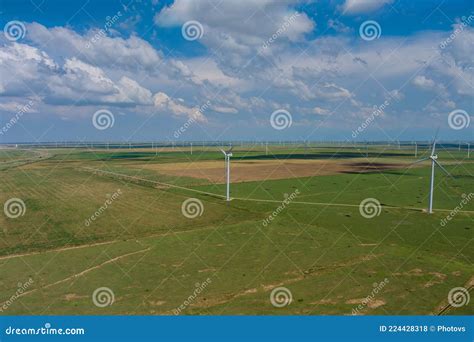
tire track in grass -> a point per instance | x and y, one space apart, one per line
444 308
87 270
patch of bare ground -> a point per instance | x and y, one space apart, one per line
157 302
244 171
73 296
205 302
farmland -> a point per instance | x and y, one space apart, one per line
114 218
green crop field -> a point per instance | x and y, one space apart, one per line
109 232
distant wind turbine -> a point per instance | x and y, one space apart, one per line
227 155
434 160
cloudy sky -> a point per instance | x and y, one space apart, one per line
218 69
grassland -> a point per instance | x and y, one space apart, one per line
151 256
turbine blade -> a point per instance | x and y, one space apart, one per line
434 142
419 161
230 149
442 168
223 151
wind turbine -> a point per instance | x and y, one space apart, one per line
434 160
227 155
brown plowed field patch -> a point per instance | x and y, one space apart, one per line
243 171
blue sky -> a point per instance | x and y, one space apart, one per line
309 62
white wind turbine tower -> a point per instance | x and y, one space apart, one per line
227 155
434 160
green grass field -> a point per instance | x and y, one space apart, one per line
153 258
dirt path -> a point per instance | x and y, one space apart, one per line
308 273
63 249
57 250
87 270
